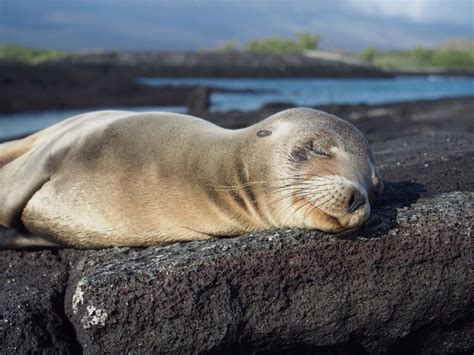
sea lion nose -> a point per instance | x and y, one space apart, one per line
356 200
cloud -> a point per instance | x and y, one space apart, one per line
194 24
426 11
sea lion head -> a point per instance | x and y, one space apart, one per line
327 172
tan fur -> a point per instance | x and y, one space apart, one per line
117 178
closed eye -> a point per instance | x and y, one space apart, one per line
320 152
310 149
315 149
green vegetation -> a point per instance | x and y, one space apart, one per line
276 45
369 54
456 53
280 45
30 55
443 56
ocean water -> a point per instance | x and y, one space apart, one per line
302 92
21 124
310 92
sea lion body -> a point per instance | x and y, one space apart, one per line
117 178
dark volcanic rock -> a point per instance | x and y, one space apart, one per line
28 88
46 87
109 79
377 122
285 289
425 165
401 284
32 304
198 101
228 65
394 120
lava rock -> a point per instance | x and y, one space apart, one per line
32 318
425 165
408 270
401 284
199 100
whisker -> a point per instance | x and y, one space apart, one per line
287 195
299 178
236 187
303 192
314 207
310 203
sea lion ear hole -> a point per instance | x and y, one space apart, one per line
264 133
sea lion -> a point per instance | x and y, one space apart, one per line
119 178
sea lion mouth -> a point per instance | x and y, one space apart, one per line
333 225
326 222
342 228
330 203
319 219
334 221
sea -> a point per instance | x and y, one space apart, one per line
302 92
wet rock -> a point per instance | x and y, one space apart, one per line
408 271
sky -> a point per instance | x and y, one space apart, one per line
205 24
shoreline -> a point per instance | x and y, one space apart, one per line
108 79
87 84
377 121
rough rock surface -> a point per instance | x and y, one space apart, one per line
284 289
32 304
402 284
430 163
